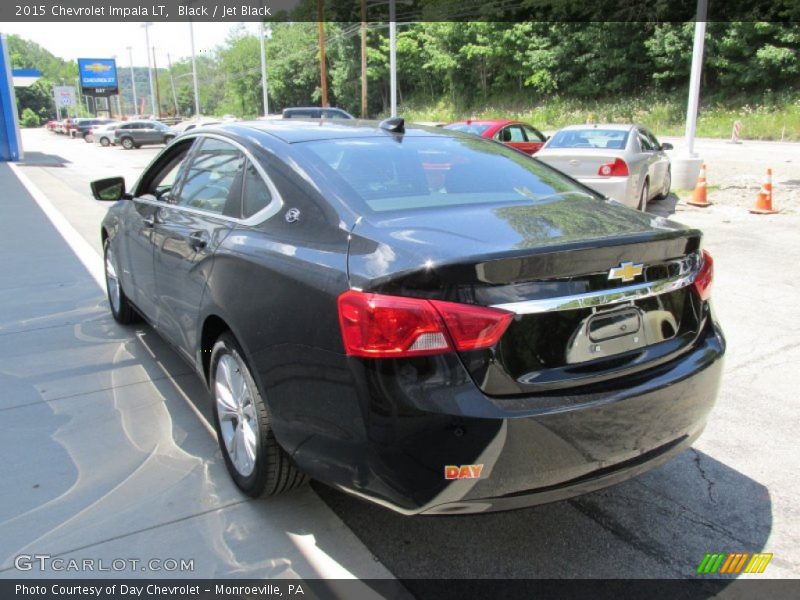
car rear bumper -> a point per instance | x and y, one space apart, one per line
613 187
411 426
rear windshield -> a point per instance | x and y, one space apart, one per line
474 128
590 138
427 172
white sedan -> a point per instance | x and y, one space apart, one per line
624 162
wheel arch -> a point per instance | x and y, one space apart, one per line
213 327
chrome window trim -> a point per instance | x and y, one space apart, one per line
602 297
269 211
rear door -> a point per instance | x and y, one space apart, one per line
188 232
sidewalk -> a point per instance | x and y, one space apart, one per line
105 456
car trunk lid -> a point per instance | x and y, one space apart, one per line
598 290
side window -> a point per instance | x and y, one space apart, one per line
653 140
168 173
255 193
211 181
517 133
644 142
533 134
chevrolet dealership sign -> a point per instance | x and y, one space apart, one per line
98 76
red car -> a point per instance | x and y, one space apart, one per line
516 134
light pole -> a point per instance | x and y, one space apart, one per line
263 67
146 27
194 72
133 81
685 169
393 56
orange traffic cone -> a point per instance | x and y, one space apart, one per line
764 201
700 196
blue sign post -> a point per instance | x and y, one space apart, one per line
98 76
10 142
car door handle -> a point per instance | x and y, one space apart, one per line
198 240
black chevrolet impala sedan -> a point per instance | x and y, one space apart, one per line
428 320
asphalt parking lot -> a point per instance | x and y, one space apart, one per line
107 452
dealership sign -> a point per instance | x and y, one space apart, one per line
64 95
98 76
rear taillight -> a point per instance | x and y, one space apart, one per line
379 326
618 168
705 276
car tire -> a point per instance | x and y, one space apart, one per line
127 143
255 460
86 138
105 142
121 308
643 195
667 185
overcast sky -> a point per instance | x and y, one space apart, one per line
104 40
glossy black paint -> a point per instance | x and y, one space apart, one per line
385 429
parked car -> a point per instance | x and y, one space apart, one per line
104 134
51 125
516 134
134 134
190 124
83 128
624 162
499 338
315 112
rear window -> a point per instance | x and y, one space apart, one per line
428 172
615 139
473 128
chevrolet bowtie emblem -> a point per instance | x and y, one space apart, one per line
626 271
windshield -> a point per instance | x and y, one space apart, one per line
590 138
428 172
473 128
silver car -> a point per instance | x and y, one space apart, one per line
624 162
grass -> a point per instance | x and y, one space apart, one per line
774 117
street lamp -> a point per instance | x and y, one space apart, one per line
146 27
133 81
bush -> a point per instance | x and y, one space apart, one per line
29 118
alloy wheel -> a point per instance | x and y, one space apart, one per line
236 413
112 282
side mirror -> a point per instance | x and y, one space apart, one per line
108 190
666 146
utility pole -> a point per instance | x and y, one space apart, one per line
133 81
263 67
363 59
323 71
149 64
158 94
172 83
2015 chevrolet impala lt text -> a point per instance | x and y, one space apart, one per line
426 319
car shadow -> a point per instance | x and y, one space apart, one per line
663 207
42 159
659 526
